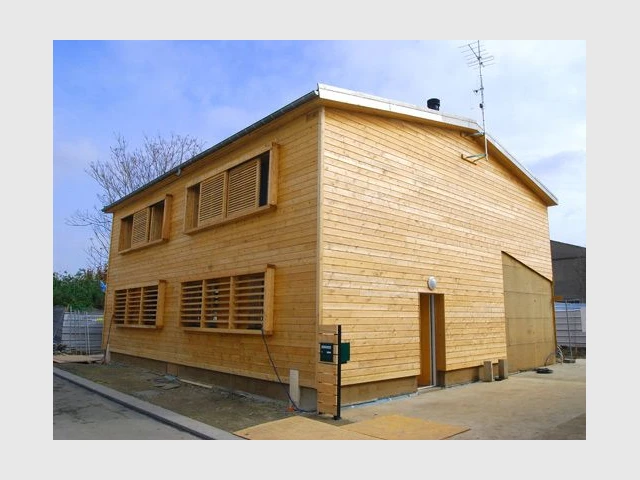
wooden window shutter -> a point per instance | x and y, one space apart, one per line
140 234
140 306
120 306
249 301
134 303
191 304
243 187
241 303
217 302
149 305
211 205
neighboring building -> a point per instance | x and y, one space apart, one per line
336 209
569 271
570 281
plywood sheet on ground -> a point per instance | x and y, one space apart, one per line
299 428
77 358
397 427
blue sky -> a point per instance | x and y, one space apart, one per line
535 97
536 109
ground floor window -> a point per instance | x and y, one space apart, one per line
237 302
139 306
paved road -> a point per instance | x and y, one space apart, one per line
526 406
79 414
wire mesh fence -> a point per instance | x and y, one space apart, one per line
78 333
571 328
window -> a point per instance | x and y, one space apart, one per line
139 306
232 303
145 227
243 189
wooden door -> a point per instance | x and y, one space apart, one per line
427 375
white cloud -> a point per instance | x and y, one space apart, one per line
535 102
535 92
565 175
535 98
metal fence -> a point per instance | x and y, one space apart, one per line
571 325
80 333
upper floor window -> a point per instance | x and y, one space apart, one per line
147 226
243 189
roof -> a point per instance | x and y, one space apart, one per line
340 96
567 251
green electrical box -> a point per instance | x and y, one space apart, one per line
326 352
345 352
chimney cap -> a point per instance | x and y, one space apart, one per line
433 103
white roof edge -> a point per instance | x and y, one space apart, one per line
342 95
522 168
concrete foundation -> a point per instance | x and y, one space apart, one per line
264 388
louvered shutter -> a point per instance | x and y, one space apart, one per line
191 304
140 234
211 199
243 187
120 306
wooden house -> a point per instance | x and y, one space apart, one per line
338 209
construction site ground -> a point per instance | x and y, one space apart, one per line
526 405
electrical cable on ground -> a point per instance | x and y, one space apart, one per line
295 407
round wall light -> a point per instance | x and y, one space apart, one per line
432 283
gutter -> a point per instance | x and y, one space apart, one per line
177 170
347 97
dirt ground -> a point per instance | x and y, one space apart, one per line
220 408
527 406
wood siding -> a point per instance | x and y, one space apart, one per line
529 313
353 240
399 205
284 236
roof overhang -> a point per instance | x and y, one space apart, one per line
313 95
340 96
335 96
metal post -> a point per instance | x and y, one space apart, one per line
566 312
86 327
484 127
339 383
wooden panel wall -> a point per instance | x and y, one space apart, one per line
285 237
401 205
529 312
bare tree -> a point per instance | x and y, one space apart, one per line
125 171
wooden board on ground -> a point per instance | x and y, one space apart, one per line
299 428
397 427
77 358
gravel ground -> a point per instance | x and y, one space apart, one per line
229 411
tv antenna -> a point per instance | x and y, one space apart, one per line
477 58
